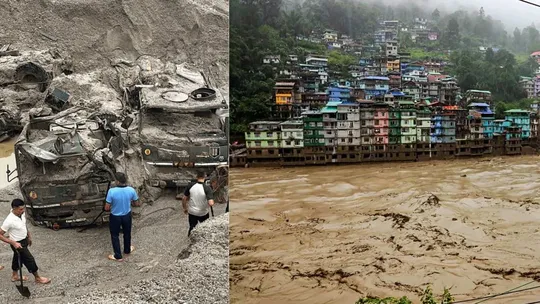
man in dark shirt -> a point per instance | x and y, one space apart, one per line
200 197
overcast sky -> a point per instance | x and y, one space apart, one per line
511 12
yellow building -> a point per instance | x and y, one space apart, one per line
284 92
393 65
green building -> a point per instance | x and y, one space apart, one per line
407 119
263 134
313 129
394 122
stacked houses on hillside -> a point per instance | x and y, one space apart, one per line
388 109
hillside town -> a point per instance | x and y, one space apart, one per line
388 107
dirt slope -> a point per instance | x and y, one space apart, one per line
96 32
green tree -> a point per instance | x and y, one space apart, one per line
436 15
451 36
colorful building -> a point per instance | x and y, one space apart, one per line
423 124
263 142
380 123
339 94
284 93
487 118
313 129
521 118
407 115
348 124
374 85
330 123
394 122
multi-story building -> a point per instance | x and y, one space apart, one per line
367 123
448 91
292 134
423 131
292 142
263 142
393 65
477 96
395 80
314 101
330 129
380 123
412 89
317 60
284 93
394 123
534 125
348 124
314 145
536 86
527 84
521 118
423 124
374 85
339 94
487 118
407 115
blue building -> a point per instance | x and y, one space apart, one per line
522 119
339 94
374 85
488 118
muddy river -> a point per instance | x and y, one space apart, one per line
335 234
7 157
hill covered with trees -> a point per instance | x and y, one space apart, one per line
270 27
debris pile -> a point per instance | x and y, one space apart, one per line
200 275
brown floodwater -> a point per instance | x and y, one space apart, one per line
7 157
337 233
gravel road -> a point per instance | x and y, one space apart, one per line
80 272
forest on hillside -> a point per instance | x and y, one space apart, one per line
268 27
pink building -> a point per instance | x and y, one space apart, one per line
381 123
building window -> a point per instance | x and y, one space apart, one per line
257 144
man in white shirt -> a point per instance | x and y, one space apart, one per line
200 197
19 238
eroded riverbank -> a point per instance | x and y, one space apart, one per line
334 234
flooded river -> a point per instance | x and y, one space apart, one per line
335 234
7 157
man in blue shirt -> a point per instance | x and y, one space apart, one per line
118 202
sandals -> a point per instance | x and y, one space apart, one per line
112 258
131 249
42 280
25 278
1 267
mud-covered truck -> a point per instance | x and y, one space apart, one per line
63 169
181 131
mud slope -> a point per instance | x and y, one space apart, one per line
334 234
96 32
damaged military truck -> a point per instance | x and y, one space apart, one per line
181 131
64 170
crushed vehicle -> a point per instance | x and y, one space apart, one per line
64 168
181 130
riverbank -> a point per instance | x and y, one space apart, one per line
335 234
